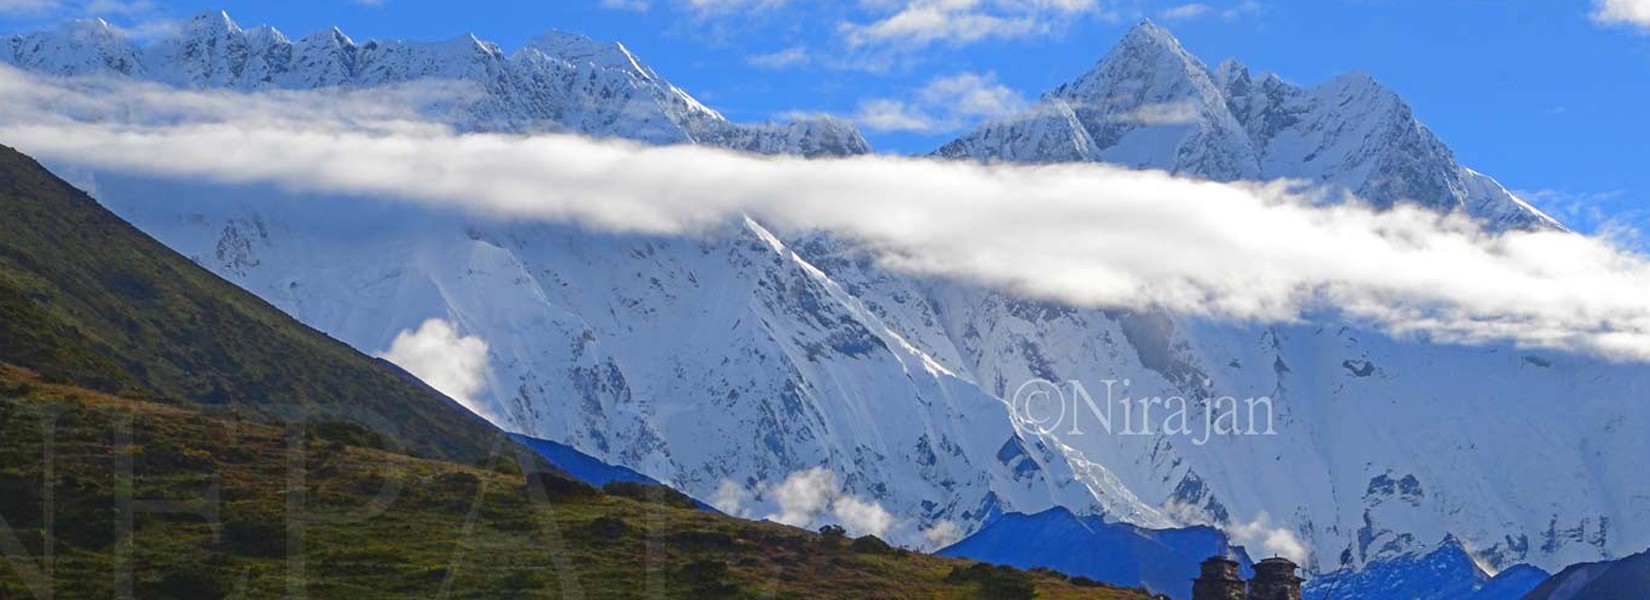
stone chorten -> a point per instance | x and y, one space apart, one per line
1275 579
1219 581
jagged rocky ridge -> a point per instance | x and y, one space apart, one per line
726 362
559 81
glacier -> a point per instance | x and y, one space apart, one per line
743 355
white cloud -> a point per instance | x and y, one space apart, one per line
972 95
802 496
861 517
1622 12
1164 113
725 7
28 6
732 499
943 104
920 23
1260 535
1611 215
883 114
1198 10
1186 11
91 8
783 59
1247 7
452 364
806 499
942 534
1083 234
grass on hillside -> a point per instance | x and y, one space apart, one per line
224 507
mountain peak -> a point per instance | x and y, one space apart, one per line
581 49
1147 69
1149 51
334 36
93 25
211 22
1149 38
1233 77
1149 32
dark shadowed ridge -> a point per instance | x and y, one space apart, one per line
1623 579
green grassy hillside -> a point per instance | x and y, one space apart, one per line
308 509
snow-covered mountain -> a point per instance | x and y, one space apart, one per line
1151 104
557 82
728 362
1448 572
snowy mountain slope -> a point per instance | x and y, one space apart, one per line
1163 561
728 362
1446 573
1151 104
698 362
557 82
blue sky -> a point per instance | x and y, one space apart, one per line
1547 96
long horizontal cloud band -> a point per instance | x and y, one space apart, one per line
1090 235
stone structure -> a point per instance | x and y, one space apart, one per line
1275 579
1218 581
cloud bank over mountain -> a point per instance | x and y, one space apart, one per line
1089 235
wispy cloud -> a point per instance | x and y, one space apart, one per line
1611 215
1623 12
1198 10
137 19
943 104
729 6
790 57
1185 11
629 5
701 8
1162 113
914 24
1083 234
28 7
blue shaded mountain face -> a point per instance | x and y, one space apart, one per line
1162 560
1512 584
590 469
581 466
1622 579
1448 572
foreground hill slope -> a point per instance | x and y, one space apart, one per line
87 298
315 511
